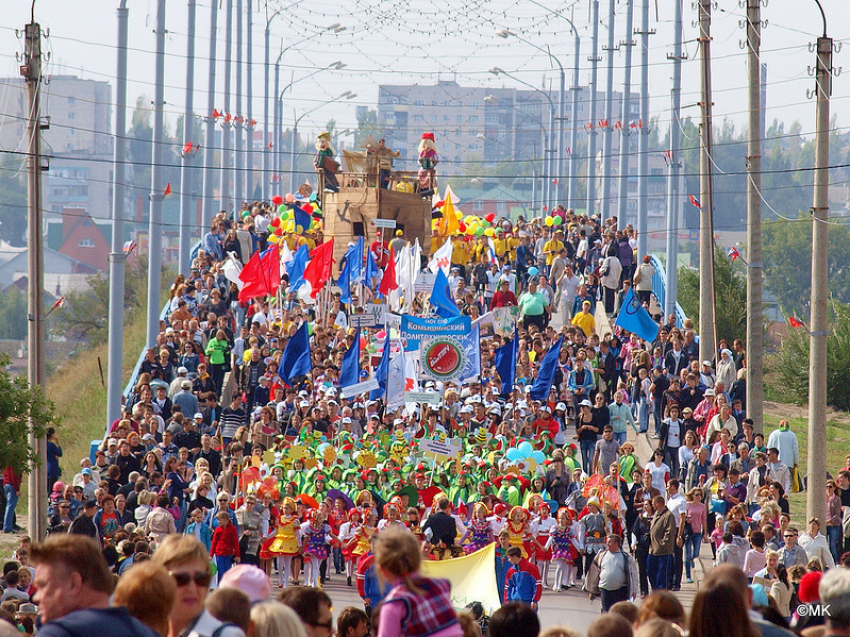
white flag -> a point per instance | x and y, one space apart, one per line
442 258
231 270
396 381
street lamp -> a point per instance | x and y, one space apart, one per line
347 95
500 71
333 66
506 33
335 28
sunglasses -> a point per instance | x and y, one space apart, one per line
201 578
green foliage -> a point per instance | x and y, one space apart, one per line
20 404
13 202
730 288
791 363
788 263
13 312
367 124
86 313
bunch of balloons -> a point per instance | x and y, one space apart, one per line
285 221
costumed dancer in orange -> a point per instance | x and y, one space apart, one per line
284 543
348 540
364 535
517 526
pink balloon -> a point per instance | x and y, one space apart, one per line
289 198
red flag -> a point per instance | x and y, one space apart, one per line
187 148
694 201
261 275
733 253
216 114
59 303
167 189
388 282
793 321
318 269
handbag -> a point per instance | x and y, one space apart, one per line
688 531
329 164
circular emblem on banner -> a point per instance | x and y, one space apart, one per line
443 358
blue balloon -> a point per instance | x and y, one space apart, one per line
513 454
525 449
532 271
313 197
538 457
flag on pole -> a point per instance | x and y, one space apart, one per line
793 321
448 224
395 381
441 297
546 374
302 220
694 201
733 253
167 189
370 271
318 270
442 259
296 356
634 318
381 370
261 275
472 347
60 302
231 269
129 246
295 268
388 281
349 373
505 361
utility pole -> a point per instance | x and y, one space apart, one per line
755 320
707 328
815 491
226 154
591 142
643 131
625 115
572 192
31 72
674 166
117 257
562 119
249 111
157 185
239 125
186 172
607 137
267 152
209 141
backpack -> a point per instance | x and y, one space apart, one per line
523 587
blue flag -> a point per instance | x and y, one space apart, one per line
472 347
302 218
296 356
381 371
295 268
441 297
346 275
505 362
356 258
546 373
349 373
634 318
371 270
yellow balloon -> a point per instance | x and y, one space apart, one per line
290 226
490 232
548 221
459 214
274 238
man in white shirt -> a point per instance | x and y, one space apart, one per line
676 505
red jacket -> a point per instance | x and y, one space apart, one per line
10 477
225 542
503 299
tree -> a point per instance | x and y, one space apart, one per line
788 263
13 306
791 363
86 313
367 124
20 403
730 288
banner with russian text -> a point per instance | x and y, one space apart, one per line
473 578
415 329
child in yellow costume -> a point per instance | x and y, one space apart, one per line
517 526
284 543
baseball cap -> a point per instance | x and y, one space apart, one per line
199 415
185 385
86 471
90 503
182 370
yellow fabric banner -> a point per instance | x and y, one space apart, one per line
473 578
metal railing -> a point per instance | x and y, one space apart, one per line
659 289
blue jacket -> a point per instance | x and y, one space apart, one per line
205 533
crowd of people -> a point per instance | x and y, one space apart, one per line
219 470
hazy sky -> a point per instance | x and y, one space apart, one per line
398 42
